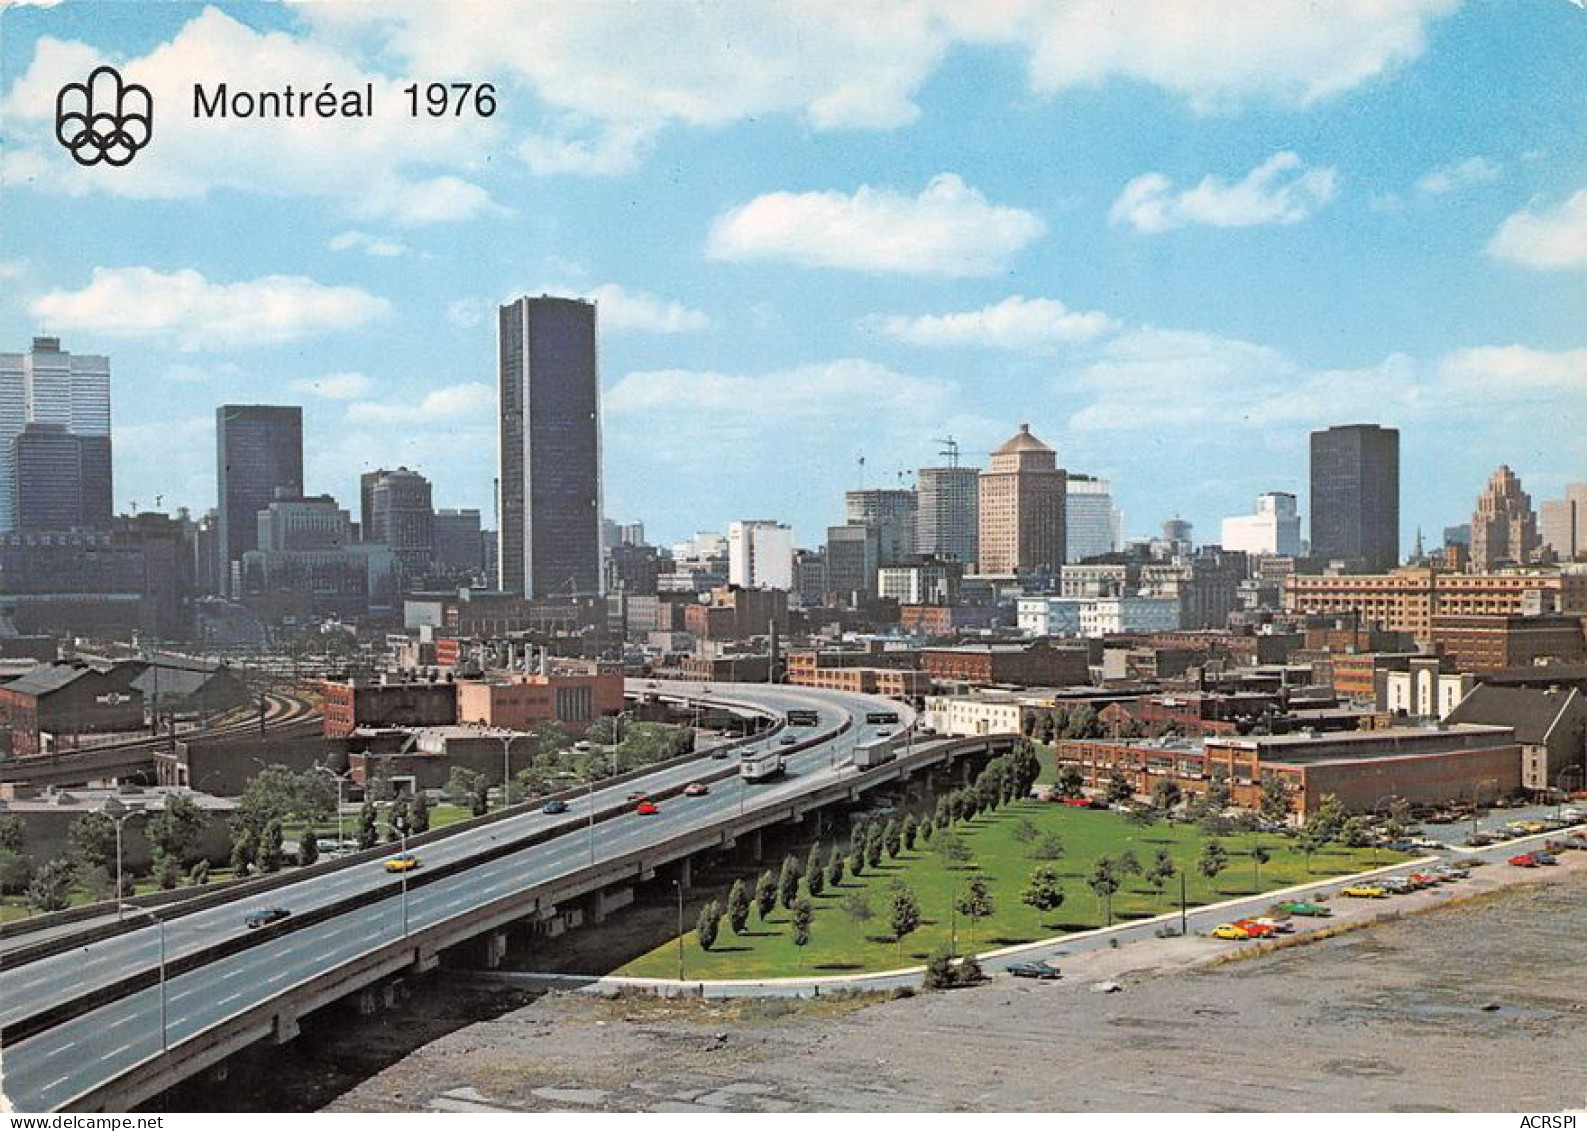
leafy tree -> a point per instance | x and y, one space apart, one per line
1259 856
954 851
11 832
788 882
857 860
308 847
1025 831
1104 883
177 829
941 973
244 848
1161 871
765 894
1327 821
270 851
368 825
815 874
16 872
1046 728
277 793
834 867
708 924
738 907
928 829
857 906
167 871
803 915
1355 832
976 902
1214 859
910 830
1166 795
893 839
1129 864
1140 815
1275 805
397 820
198 874
91 842
1070 780
1308 843
903 914
1119 788
419 813
1043 891
873 848
1049 847
51 887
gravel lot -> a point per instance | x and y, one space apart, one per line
1472 1006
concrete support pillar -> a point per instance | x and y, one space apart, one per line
495 944
755 846
367 1001
685 872
424 962
596 904
283 1027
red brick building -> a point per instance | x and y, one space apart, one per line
1485 643
345 706
1037 664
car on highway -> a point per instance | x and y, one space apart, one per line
639 795
1304 909
721 753
647 809
265 916
554 806
696 789
1039 970
402 862
1230 931
1523 860
1365 891
787 740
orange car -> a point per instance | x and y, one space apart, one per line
1255 928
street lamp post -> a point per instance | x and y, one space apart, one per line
678 883
506 741
120 813
341 780
165 1040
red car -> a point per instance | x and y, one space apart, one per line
1077 802
1255 929
647 809
1525 860
696 789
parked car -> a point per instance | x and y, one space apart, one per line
402 862
1077 802
1255 928
1278 926
647 809
1229 931
1038 970
1545 858
554 806
265 916
696 789
1365 891
1524 860
1305 909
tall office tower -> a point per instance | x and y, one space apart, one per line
1355 495
630 534
1022 508
47 385
401 517
550 448
259 455
947 523
1563 525
1273 530
457 541
760 555
891 512
852 561
1091 522
63 480
1503 527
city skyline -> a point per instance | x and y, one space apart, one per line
1143 259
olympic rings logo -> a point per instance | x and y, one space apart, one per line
104 119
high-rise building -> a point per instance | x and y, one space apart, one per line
63 480
550 423
1563 524
1503 527
852 562
1274 529
259 457
760 555
1355 495
892 513
1091 522
458 545
400 515
49 386
1022 508
947 523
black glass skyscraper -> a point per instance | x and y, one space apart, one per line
550 448
1355 495
259 452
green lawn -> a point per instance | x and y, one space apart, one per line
839 944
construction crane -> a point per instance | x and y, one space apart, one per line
950 448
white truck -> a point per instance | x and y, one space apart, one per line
760 765
875 752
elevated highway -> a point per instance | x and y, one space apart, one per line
97 1027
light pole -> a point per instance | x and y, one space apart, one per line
341 780
506 741
165 1041
678 883
120 813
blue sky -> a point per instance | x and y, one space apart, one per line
1172 242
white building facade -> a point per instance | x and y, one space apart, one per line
760 555
1273 530
1091 522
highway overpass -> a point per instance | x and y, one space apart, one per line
89 1024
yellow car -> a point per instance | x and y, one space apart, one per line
1365 891
406 862
1229 931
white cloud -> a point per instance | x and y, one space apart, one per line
611 152
184 306
950 229
1551 239
1517 371
335 386
379 167
1016 323
1281 190
619 308
809 393
1452 178
381 247
13 269
462 402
